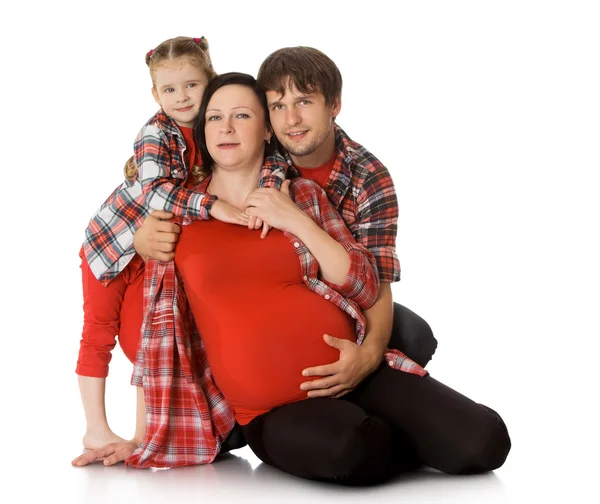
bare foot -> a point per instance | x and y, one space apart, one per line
93 442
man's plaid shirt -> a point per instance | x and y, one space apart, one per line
187 417
362 191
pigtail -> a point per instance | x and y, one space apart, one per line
130 170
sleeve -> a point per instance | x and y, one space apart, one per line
362 280
274 171
377 219
163 191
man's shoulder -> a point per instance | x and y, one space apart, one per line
362 163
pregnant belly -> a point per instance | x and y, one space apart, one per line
258 364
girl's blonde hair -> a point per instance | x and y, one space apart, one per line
196 50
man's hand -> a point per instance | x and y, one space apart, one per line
355 364
156 239
111 454
274 207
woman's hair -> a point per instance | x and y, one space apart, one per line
196 50
218 82
307 68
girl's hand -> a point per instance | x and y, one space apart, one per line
227 213
110 454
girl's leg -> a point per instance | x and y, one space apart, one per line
102 322
324 439
449 431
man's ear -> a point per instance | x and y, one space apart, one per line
155 94
337 107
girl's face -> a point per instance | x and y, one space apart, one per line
178 89
235 127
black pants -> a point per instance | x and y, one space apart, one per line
392 422
410 334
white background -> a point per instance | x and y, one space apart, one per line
486 114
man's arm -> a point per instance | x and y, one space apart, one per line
377 217
156 238
356 362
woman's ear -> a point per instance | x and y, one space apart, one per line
268 136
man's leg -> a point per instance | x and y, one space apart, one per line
449 431
412 335
324 439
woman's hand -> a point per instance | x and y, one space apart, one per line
111 454
274 207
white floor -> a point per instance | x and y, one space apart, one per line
485 113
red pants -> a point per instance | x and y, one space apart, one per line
108 312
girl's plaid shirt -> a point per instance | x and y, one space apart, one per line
187 417
159 156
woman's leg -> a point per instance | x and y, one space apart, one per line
324 439
412 335
449 431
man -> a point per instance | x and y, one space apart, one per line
303 88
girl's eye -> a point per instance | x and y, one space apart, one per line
169 90
192 85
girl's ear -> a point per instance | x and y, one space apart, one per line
155 94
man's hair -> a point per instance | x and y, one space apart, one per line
307 68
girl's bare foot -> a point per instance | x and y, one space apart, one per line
92 441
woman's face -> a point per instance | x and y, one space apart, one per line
235 127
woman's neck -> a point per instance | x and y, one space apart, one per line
232 185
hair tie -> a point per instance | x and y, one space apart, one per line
150 52
197 40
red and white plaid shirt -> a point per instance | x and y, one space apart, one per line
187 417
159 185
362 190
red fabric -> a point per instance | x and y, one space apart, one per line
108 312
319 174
191 155
256 360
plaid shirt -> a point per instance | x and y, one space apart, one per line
159 185
187 417
362 191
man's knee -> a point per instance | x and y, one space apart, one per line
412 335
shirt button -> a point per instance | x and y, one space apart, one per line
305 278
391 363
327 296
296 244
175 170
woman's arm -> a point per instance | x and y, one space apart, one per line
345 265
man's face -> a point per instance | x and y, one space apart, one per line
302 122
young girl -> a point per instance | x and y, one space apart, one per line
161 176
